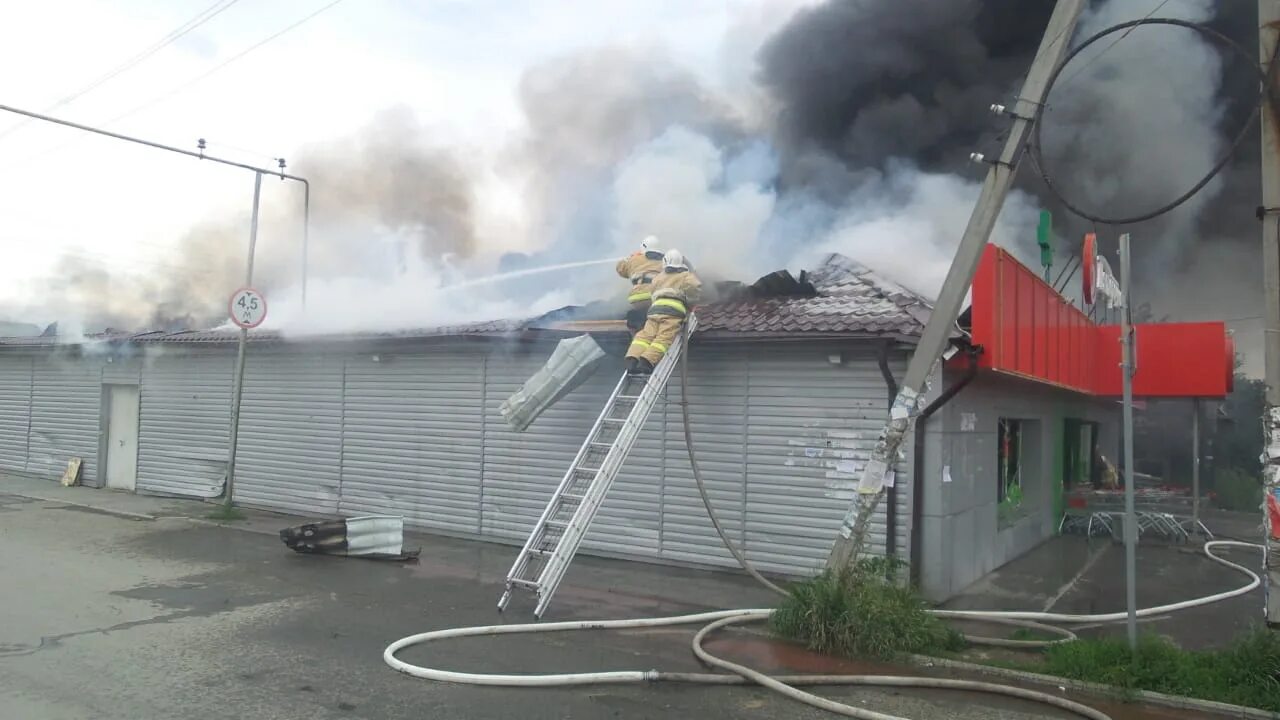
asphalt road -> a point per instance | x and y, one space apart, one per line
103 617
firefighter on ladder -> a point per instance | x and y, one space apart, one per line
640 268
675 290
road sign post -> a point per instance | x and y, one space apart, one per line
248 308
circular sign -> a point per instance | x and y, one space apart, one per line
1088 263
247 308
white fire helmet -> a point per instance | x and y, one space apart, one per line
649 244
675 259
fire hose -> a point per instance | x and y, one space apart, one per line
787 685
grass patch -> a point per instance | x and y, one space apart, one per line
862 611
226 513
1247 672
1235 489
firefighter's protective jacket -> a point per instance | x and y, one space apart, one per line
640 269
674 292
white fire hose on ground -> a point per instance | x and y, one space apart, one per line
786 684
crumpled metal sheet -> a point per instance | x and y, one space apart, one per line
570 364
369 536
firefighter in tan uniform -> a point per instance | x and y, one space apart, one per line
640 268
675 290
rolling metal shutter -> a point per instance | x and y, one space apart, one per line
717 413
290 432
411 434
65 396
15 410
521 470
184 418
811 427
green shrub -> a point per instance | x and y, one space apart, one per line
862 611
1247 672
1235 489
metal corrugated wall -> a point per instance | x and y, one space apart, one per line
185 411
810 427
781 434
66 394
15 411
717 415
290 437
411 437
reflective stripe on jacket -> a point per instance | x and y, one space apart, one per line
674 292
640 269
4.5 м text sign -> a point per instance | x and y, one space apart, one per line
248 308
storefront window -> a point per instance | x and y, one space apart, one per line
1010 465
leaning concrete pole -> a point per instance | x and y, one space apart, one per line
1268 32
933 341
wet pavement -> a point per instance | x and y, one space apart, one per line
109 615
1070 574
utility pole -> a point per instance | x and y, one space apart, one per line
237 390
1268 27
933 341
1127 369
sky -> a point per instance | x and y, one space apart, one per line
455 67
454 63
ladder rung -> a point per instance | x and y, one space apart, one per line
557 524
521 582
615 420
540 553
628 397
602 444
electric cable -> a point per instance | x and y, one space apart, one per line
184 86
1035 147
173 36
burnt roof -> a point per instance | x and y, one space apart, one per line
841 297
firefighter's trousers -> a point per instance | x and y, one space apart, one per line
653 340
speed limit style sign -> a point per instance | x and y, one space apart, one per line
248 308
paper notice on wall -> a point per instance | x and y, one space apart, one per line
888 479
846 466
946 473
872 476
968 422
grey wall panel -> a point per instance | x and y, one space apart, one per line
290 432
811 426
15 410
521 470
717 412
411 437
65 402
184 417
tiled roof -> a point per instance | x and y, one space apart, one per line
851 300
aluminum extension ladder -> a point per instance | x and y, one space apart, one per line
546 555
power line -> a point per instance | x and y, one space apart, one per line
1107 49
200 18
180 88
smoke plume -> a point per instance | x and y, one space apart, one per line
846 127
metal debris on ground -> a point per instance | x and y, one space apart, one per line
377 537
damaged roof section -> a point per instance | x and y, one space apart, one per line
847 298
839 298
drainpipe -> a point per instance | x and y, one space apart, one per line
891 511
917 493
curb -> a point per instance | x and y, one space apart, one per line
1105 691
